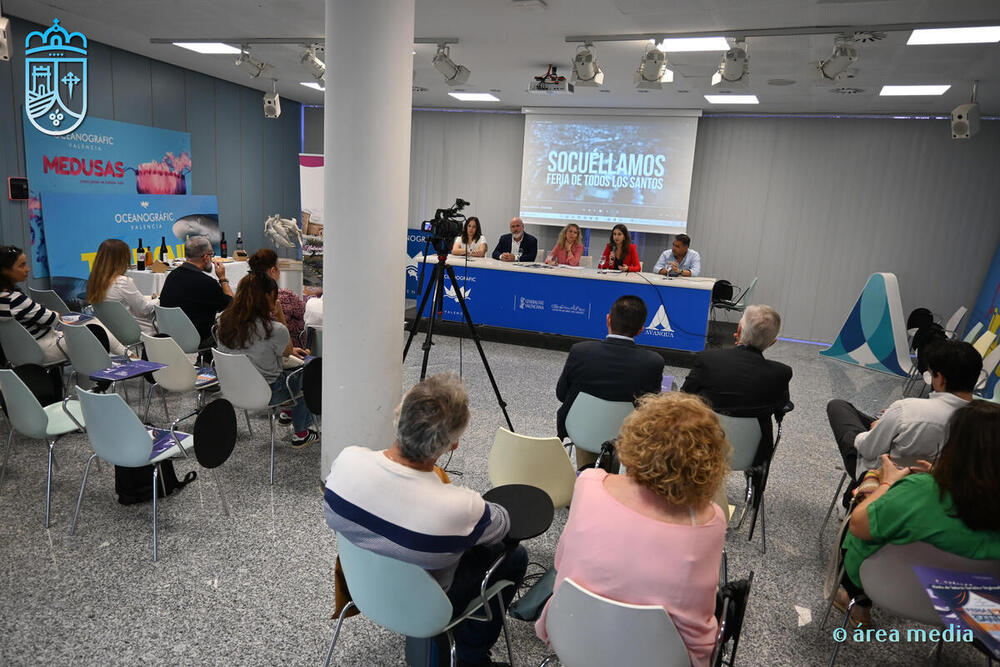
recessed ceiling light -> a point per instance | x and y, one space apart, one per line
212 48
475 97
677 44
732 99
315 85
980 35
888 91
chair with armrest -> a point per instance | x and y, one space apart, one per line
50 299
404 598
593 423
28 417
120 323
538 462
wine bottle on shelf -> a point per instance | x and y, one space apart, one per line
149 256
223 247
163 248
140 256
187 237
239 241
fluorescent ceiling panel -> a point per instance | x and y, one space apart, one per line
732 99
210 48
678 44
475 97
312 84
980 35
890 91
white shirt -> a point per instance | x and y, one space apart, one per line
515 246
475 245
313 316
142 307
910 429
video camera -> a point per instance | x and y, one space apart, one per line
447 223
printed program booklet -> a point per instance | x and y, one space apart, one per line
162 440
966 600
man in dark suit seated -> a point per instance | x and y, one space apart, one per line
190 288
516 246
615 369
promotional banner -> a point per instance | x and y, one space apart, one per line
987 311
102 156
415 243
548 301
77 223
311 185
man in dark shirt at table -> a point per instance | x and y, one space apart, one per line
615 369
190 288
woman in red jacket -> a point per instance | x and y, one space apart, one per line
620 253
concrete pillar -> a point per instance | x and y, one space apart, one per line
369 75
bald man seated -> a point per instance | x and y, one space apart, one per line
516 246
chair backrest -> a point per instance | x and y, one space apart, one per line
591 421
118 321
984 341
23 409
990 363
19 346
314 341
180 374
215 433
743 434
241 382
85 352
398 596
539 462
919 317
589 630
951 326
49 299
587 261
175 323
115 432
312 385
744 299
971 334
889 580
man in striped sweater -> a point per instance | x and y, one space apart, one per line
392 502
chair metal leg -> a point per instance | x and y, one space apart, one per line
222 496
843 626
79 498
246 413
833 502
746 503
544 663
763 527
271 420
336 631
163 397
149 397
10 446
829 607
506 632
48 484
452 652
156 471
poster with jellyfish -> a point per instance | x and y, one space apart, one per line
102 157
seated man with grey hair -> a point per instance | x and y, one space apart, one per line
392 502
190 288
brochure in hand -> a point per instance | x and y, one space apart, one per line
162 440
965 601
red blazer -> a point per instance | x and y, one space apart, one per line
609 261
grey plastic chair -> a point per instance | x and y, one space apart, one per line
29 418
20 346
889 581
592 421
175 323
120 323
971 334
179 377
744 435
85 353
313 340
118 437
590 630
247 389
951 326
50 299
404 598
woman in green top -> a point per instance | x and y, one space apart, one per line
954 507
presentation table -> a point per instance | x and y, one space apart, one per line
574 301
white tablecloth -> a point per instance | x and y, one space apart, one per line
150 283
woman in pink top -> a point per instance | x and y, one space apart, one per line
568 248
653 535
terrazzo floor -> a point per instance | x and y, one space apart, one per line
255 588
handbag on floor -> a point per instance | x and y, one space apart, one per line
529 606
135 485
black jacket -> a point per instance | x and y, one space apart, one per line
529 247
196 293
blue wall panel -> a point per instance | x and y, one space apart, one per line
100 83
253 126
168 96
229 156
133 97
200 119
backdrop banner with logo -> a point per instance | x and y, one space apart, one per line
101 157
550 300
77 223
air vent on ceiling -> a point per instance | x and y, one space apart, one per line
864 36
419 89
780 82
847 90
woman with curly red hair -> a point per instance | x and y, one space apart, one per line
653 536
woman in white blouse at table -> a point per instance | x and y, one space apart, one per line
471 242
108 282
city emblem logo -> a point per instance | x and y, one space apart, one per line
55 79
660 321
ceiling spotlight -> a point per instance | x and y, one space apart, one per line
316 66
454 75
586 71
845 54
653 71
249 64
734 70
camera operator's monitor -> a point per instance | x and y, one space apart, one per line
599 171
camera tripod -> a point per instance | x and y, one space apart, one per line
436 286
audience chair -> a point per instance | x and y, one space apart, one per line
984 341
745 436
248 390
85 352
50 299
889 581
313 340
990 363
118 437
175 323
120 323
404 598
538 462
951 326
29 418
587 261
179 377
312 385
20 347
215 438
589 630
971 334
592 422
833 502
738 305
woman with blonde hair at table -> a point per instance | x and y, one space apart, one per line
568 248
109 282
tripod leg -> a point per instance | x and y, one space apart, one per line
437 285
416 320
479 345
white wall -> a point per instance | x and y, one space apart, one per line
812 206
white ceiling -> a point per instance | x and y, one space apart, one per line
504 46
